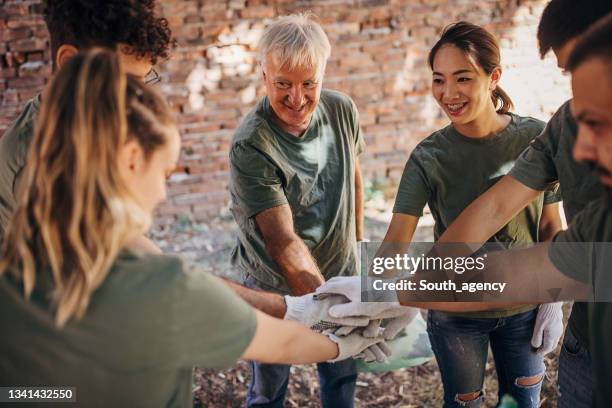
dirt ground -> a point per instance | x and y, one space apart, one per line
210 246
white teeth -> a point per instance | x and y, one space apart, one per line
456 106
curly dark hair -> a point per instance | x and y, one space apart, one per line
87 23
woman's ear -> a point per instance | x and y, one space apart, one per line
495 77
64 53
131 158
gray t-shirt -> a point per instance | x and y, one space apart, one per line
314 174
549 160
448 171
589 260
14 146
153 318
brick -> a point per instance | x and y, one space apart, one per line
257 12
19 33
30 44
8 73
27 82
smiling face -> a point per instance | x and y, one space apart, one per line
461 88
293 94
592 108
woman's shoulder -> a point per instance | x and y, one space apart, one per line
528 124
145 270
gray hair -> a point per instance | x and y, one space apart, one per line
296 40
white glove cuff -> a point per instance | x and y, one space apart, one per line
295 308
550 310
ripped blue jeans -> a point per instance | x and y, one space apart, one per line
461 345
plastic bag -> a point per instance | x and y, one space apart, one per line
410 348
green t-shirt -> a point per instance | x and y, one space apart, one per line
13 152
448 171
549 160
591 261
148 324
314 174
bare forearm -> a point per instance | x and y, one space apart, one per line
269 303
490 212
280 341
550 223
297 265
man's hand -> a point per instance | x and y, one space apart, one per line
350 287
548 328
312 312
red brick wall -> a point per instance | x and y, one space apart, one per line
379 50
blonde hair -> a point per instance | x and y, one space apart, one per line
74 212
296 40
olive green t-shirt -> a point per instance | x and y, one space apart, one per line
314 174
153 319
13 153
590 260
549 160
448 171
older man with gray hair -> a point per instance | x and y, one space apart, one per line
296 190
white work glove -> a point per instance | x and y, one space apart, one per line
350 287
352 345
376 352
548 328
313 312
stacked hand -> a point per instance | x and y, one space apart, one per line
336 307
397 317
358 346
347 331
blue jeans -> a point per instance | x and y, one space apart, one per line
269 381
461 346
575 379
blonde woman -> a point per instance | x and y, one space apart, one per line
80 305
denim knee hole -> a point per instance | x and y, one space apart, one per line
475 401
529 382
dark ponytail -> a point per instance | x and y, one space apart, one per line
482 46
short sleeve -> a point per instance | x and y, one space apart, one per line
413 191
553 194
255 183
212 326
535 167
